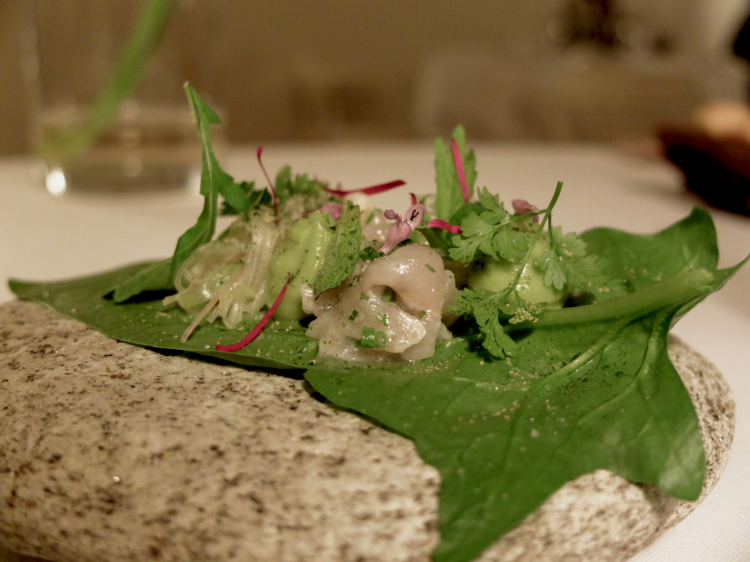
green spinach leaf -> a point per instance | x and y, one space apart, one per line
152 278
506 434
281 345
644 259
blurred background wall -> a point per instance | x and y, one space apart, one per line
578 70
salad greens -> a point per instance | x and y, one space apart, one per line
343 253
526 396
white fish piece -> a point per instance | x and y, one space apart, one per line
412 321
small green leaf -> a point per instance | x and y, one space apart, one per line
214 181
372 338
449 197
551 264
281 345
343 252
153 278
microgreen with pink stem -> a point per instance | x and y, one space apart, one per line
458 161
270 183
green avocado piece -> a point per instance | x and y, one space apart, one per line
301 255
496 275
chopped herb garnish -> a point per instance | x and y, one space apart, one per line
422 314
371 216
364 297
372 338
383 319
428 266
354 314
369 253
388 294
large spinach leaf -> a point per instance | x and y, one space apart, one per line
590 391
282 345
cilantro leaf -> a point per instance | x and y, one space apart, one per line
567 263
551 263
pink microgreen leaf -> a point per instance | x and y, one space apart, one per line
332 209
460 169
372 190
259 326
445 225
523 207
390 214
270 183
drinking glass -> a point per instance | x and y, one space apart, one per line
71 49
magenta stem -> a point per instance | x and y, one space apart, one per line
460 169
372 190
259 327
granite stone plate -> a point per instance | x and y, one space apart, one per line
110 452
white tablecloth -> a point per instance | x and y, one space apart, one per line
45 238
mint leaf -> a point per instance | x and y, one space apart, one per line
449 198
343 252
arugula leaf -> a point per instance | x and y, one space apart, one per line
449 198
281 345
343 252
214 181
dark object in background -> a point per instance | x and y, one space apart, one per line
741 45
716 169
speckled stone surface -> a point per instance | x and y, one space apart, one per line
110 452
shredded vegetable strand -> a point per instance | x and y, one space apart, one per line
259 326
206 309
460 169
